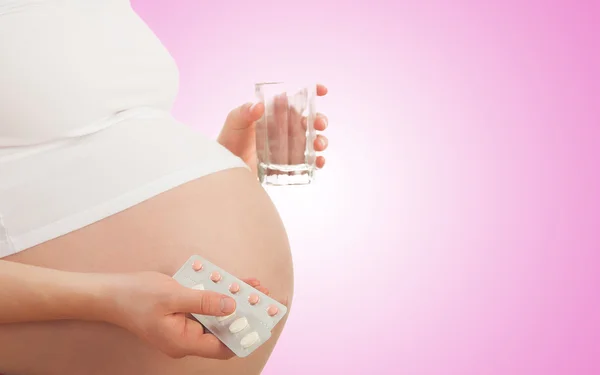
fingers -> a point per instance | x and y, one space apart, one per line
202 302
244 116
196 342
321 143
321 122
320 162
277 130
254 112
296 132
321 90
255 283
252 281
263 290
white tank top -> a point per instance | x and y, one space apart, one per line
85 129
68 66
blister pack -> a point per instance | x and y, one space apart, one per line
242 333
256 313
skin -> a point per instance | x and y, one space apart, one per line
148 304
239 132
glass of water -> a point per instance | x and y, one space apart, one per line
285 134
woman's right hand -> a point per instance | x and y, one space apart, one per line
151 305
156 308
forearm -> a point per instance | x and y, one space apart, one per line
29 293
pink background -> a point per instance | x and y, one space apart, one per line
456 227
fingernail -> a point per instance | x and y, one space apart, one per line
227 305
252 107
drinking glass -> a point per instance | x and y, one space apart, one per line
285 134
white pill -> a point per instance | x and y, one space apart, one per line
198 287
223 318
249 340
238 325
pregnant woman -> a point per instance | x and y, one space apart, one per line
104 195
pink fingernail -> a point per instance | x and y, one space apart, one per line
227 305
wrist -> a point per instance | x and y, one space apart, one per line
101 298
114 296
87 297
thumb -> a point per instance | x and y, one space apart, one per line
244 116
203 302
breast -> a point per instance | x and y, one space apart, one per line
64 68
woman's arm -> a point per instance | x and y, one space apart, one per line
29 293
151 305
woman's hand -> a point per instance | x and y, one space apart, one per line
151 305
239 132
156 308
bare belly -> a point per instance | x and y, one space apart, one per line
226 217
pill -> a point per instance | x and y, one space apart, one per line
197 265
253 299
234 288
238 325
272 310
223 318
249 340
198 287
215 276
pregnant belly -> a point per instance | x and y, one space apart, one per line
225 217
64 68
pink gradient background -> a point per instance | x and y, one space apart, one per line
456 227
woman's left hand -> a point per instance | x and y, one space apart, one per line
239 132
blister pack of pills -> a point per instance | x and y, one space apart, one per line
256 313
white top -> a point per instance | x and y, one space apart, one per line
86 91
